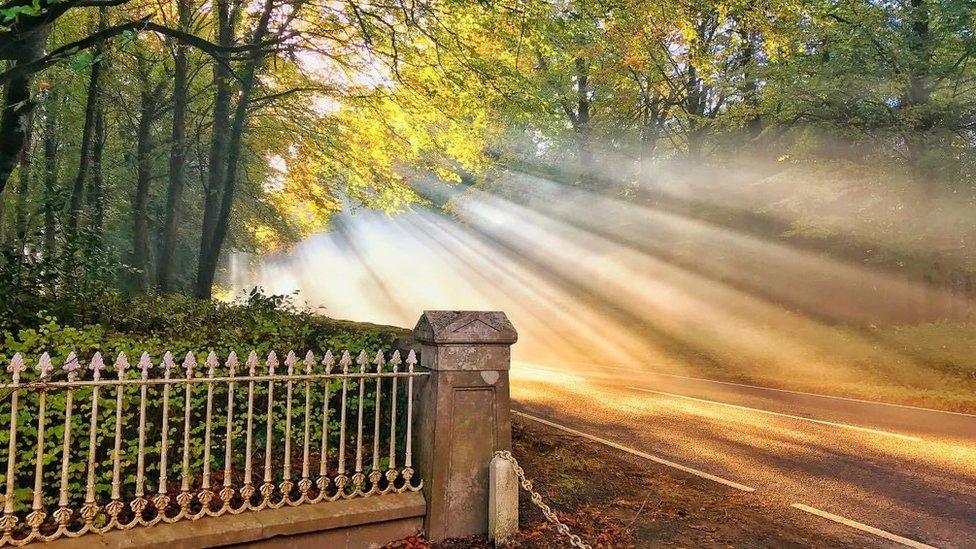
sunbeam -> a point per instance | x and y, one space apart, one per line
590 279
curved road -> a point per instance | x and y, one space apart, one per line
863 473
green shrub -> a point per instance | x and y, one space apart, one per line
155 324
179 324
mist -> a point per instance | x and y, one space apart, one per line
647 281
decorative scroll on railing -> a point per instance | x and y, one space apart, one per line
123 447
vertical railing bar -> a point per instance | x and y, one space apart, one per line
306 483
395 360
90 510
408 458
121 363
374 473
36 517
139 504
286 482
162 500
267 488
63 515
248 489
328 360
341 479
184 499
358 478
9 520
208 428
228 491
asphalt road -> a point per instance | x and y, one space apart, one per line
864 473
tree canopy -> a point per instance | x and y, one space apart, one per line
139 141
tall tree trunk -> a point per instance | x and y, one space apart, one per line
653 109
698 92
16 109
3 209
51 199
95 193
23 187
578 112
177 156
140 202
749 87
87 134
218 157
207 267
584 150
918 96
695 108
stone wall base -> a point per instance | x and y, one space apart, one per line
355 523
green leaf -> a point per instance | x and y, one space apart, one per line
9 14
82 61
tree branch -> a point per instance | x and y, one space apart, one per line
22 69
217 52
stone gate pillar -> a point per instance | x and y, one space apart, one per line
463 415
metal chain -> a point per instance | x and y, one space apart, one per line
536 498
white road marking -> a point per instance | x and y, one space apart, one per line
820 395
862 527
638 453
765 388
780 414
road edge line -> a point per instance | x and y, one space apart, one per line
862 527
638 453
837 424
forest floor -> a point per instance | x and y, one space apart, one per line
612 499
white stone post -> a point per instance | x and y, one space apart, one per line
502 501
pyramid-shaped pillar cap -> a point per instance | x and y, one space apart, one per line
460 327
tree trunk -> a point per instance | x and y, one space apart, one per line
749 87
16 109
95 193
584 151
51 200
218 157
207 268
140 202
918 96
3 209
87 134
23 188
695 108
654 111
177 157
17 106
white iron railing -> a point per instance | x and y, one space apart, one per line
83 458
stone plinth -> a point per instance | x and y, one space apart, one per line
463 415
